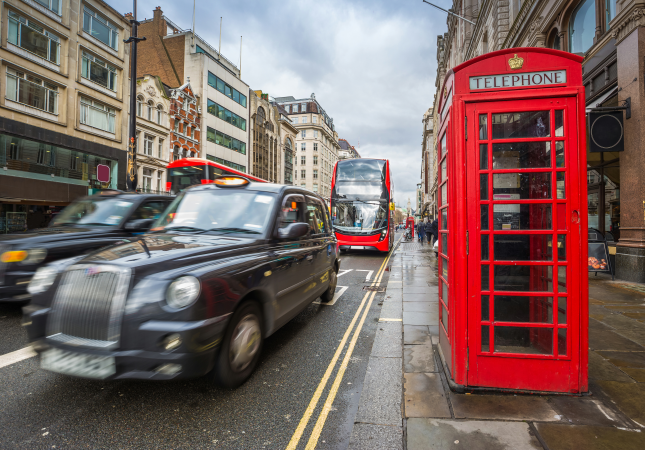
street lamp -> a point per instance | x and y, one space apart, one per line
449 12
131 177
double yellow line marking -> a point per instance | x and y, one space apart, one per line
320 423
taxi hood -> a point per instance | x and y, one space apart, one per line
45 235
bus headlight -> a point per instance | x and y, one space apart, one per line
383 234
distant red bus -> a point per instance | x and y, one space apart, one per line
190 171
361 192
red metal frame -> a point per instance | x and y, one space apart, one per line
188 162
384 245
461 175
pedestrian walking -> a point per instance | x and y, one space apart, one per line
422 232
432 229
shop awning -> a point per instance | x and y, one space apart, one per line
597 102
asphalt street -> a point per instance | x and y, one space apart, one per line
40 409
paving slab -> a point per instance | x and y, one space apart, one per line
626 308
629 398
388 339
625 359
610 340
430 297
640 316
417 282
415 289
424 396
502 407
596 324
427 307
637 374
393 295
617 322
420 318
567 437
585 411
419 359
381 397
601 369
431 434
365 435
637 336
415 334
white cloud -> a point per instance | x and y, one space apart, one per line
371 64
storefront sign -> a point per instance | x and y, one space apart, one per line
518 80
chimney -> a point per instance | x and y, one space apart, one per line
158 22
128 16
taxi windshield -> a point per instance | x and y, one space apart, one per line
94 211
218 210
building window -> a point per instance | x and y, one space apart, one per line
316 134
315 160
98 71
192 133
32 91
159 172
52 5
33 38
226 115
315 146
303 185
303 160
610 8
140 105
148 142
315 185
582 27
176 128
149 107
303 174
160 149
226 89
230 164
303 107
304 119
303 146
295 120
303 134
288 108
314 119
97 115
147 180
100 28
225 140
315 174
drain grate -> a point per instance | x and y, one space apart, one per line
374 288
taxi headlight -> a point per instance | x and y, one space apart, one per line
42 280
34 256
183 292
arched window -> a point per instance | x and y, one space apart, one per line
159 113
554 40
150 108
261 115
288 144
582 27
140 101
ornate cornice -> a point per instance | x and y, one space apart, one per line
629 21
519 23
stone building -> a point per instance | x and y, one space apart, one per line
347 151
176 55
317 147
288 134
265 159
428 188
64 100
610 35
153 133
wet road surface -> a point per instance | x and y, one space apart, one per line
41 409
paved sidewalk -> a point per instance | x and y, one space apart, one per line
406 402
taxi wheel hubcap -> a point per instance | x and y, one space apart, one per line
245 342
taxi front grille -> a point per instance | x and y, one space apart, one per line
88 305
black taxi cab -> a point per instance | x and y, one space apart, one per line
85 225
226 266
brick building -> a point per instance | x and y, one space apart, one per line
185 130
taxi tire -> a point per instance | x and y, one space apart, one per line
328 295
223 374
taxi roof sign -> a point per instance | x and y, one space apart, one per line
229 181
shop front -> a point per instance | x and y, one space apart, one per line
513 223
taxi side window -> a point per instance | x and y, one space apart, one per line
149 210
290 212
316 217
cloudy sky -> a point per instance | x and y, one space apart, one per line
371 63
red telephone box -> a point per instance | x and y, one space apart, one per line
513 219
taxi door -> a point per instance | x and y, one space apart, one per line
320 244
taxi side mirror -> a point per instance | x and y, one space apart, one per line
139 225
293 230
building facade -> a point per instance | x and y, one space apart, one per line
427 190
185 123
153 133
176 55
316 146
347 151
610 35
265 159
64 100
288 134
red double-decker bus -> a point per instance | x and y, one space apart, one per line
361 192
190 171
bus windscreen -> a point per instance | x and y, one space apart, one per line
183 177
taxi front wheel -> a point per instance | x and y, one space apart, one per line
328 296
240 350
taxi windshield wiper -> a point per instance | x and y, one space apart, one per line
183 228
233 230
